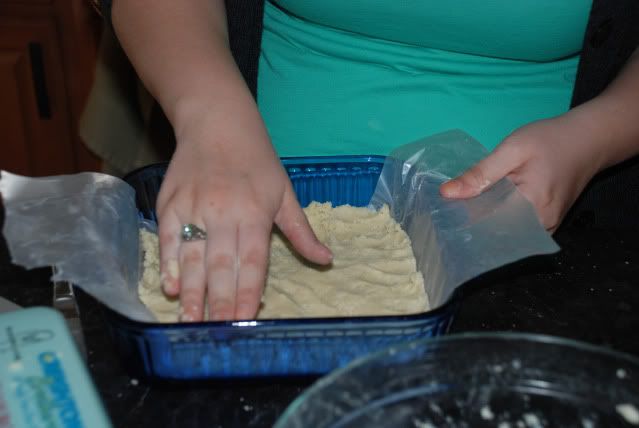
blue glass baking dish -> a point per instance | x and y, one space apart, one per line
281 347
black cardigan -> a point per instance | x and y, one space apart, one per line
612 34
612 198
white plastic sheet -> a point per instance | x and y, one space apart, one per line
87 224
456 240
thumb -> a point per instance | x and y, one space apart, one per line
294 225
482 176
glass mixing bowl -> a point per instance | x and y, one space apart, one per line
504 380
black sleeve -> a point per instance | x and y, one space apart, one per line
105 7
244 19
612 35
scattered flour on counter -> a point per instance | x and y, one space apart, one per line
422 424
532 421
486 413
373 271
629 412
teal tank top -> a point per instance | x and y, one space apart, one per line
365 76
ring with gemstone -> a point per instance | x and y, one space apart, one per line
191 232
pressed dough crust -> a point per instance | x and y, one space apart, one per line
373 270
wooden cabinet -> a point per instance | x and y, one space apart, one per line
47 55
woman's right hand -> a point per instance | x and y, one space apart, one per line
224 176
232 185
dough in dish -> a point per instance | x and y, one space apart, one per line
165 309
373 271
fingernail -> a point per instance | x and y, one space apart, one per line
452 188
168 285
173 268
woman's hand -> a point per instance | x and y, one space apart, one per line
235 190
224 176
550 162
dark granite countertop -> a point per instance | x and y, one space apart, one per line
589 291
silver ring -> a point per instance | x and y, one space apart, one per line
191 232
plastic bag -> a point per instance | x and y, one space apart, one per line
87 224
456 240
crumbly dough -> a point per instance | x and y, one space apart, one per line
373 271
165 309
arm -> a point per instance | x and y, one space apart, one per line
180 51
224 175
552 160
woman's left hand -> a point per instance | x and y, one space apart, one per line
550 162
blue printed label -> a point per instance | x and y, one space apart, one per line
47 400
